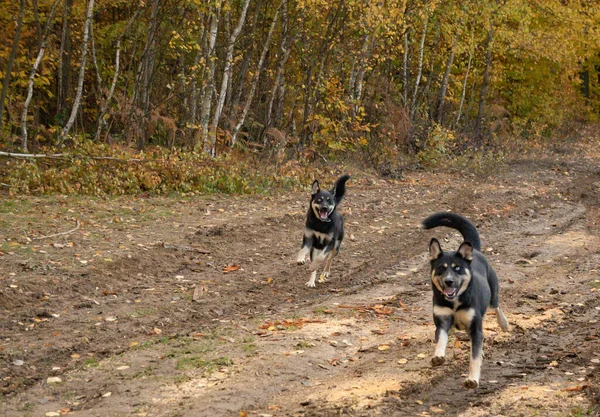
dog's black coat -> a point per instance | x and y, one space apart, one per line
324 228
464 286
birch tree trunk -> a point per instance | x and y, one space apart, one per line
445 80
256 78
106 101
227 71
486 77
209 90
38 60
278 92
464 87
419 70
77 102
11 60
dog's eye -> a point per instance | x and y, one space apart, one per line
440 270
329 200
319 200
457 268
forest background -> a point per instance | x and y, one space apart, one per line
130 96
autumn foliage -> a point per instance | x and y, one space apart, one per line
280 78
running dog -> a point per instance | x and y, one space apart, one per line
324 229
464 285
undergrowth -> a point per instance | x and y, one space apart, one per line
101 170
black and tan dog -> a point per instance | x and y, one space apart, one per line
324 229
464 285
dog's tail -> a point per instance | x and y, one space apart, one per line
339 188
455 221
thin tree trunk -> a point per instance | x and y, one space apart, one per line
358 90
34 69
420 69
77 102
146 76
256 78
445 80
196 75
11 60
106 101
209 90
486 77
405 69
64 61
227 71
464 88
278 92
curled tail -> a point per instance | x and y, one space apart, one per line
455 221
339 188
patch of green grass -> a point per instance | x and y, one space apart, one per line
142 312
578 412
180 379
145 372
28 406
303 344
207 366
595 284
321 310
91 363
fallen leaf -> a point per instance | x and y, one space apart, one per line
243 414
231 268
402 361
421 355
383 347
77 355
106 394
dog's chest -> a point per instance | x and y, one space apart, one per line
320 237
461 318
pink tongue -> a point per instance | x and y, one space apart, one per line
323 214
448 291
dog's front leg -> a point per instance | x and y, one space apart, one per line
301 259
476 334
443 320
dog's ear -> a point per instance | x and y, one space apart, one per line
315 187
466 251
435 250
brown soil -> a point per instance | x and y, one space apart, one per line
135 314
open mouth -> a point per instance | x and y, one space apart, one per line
450 293
323 214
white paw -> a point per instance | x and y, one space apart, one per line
437 360
471 384
311 284
300 261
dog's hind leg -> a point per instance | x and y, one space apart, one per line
443 319
327 269
301 259
316 257
476 334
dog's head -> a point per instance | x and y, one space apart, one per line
450 271
322 203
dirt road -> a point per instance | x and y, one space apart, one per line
193 306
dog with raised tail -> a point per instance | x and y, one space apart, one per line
464 286
324 229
